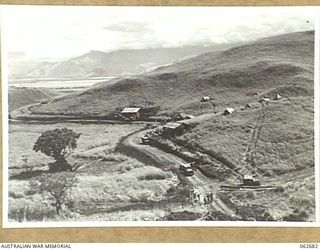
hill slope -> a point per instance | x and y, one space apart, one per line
19 97
278 64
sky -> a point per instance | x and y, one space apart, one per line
63 32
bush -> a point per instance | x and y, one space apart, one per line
152 176
182 216
18 189
16 195
129 165
296 215
59 166
280 189
250 195
114 157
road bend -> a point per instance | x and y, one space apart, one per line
201 183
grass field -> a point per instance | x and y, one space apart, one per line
94 140
107 181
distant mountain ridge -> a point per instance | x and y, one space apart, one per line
281 64
98 63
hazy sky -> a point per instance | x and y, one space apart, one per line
60 32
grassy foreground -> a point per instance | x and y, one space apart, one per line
109 184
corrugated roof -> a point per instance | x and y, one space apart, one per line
172 125
247 177
130 110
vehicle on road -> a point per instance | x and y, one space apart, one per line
186 169
145 140
248 180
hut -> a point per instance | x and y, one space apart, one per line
131 113
173 128
205 98
277 97
228 111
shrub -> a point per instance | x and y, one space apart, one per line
18 189
152 176
296 215
250 195
114 157
16 195
57 185
59 166
280 189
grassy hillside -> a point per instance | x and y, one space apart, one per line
19 97
265 140
282 63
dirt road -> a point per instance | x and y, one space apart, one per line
132 146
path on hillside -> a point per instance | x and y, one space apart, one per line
200 182
248 161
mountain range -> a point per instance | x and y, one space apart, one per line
280 64
98 63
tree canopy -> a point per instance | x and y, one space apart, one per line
58 144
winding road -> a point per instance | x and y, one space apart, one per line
146 153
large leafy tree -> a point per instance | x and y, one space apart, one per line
58 144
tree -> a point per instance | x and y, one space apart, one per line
57 185
58 144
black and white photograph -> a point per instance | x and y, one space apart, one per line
159 116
